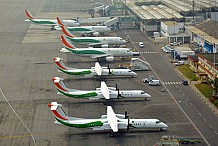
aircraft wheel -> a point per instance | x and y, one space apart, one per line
145 99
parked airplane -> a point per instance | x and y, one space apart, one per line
96 71
107 53
103 92
93 41
49 22
84 30
110 121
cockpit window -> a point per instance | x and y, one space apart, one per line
142 92
130 71
157 122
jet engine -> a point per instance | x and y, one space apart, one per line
110 58
95 33
104 46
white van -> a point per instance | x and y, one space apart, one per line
181 62
154 83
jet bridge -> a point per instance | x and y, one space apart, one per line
139 64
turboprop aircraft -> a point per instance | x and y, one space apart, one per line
93 41
96 71
104 92
111 121
84 30
107 53
49 22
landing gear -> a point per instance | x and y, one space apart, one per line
145 99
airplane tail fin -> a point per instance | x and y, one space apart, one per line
66 32
60 64
57 111
60 22
29 15
67 44
61 87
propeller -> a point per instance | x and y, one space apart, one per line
118 95
127 117
109 69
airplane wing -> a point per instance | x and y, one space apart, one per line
100 56
95 44
98 68
105 91
112 119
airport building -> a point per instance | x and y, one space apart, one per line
205 65
154 15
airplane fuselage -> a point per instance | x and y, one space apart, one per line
102 124
92 52
52 22
86 29
98 40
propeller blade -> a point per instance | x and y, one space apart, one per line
109 69
128 125
118 95
116 86
126 115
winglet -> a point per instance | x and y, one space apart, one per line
66 42
60 84
66 32
60 64
29 15
60 22
57 111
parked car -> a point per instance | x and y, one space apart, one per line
141 45
185 82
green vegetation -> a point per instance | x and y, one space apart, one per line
187 72
205 89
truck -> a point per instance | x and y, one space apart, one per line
148 79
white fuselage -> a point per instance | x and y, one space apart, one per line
53 22
115 52
86 29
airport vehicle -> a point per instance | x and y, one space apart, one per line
154 83
84 30
107 53
148 79
104 92
96 71
185 82
181 62
49 22
111 121
93 41
141 45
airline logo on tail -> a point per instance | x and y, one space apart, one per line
57 111
58 62
60 22
59 84
66 32
29 15
67 44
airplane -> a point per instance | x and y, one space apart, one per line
104 92
49 22
84 30
109 122
96 71
93 41
107 53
